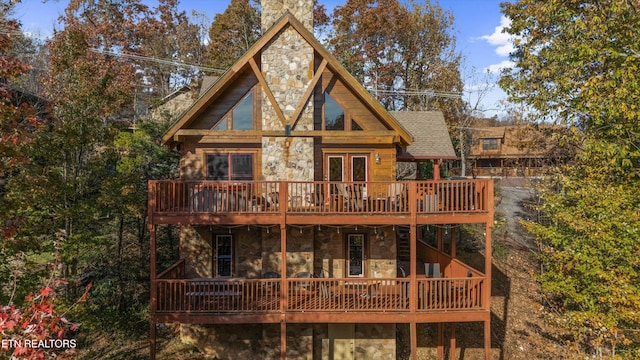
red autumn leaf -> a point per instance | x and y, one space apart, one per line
46 291
9 324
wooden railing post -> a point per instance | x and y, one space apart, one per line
413 240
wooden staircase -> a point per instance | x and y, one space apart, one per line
402 242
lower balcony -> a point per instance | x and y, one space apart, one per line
308 298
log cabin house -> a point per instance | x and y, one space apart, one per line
516 150
297 240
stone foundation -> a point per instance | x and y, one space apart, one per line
249 342
367 341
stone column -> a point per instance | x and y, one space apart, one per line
287 66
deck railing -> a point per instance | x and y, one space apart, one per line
176 197
228 296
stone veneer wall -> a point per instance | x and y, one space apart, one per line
329 252
371 342
249 342
272 10
287 67
195 248
248 253
375 342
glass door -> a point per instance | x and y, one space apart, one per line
355 255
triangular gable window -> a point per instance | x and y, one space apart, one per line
240 117
333 114
222 125
355 126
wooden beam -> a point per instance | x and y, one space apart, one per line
283 340
452 341
413 333
487 339
305 97
267 90
487 264
152 329
440 342
324 317
280 133
349 139
230 139
152 339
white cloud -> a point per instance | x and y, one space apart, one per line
496 68
502 40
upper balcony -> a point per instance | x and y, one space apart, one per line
267 202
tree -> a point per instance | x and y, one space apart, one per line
404 54
168 34
20 112
21 115
232 33
578 63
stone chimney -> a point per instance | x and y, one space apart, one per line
287 67
272 10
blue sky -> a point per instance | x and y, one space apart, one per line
477 28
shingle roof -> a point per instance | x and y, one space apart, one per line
517 140
430 135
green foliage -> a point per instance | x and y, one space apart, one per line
79 198
578 63
232 33
591 253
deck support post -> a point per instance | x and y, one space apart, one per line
152 340
283 340
413 333
487 339
487 272
436 169
440 342
152 257
452 342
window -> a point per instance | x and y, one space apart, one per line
355 254
333 114
358 168
489 163
355 126
223 255
489 144
230 167
240 117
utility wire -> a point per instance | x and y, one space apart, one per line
159 61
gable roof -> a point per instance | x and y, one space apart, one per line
517 140
431 138
227 79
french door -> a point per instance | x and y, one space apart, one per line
346 168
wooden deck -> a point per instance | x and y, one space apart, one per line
259 296
196 202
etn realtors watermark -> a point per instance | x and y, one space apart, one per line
38 344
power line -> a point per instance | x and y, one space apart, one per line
152 59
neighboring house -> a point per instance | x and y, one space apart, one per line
297 241
517 150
